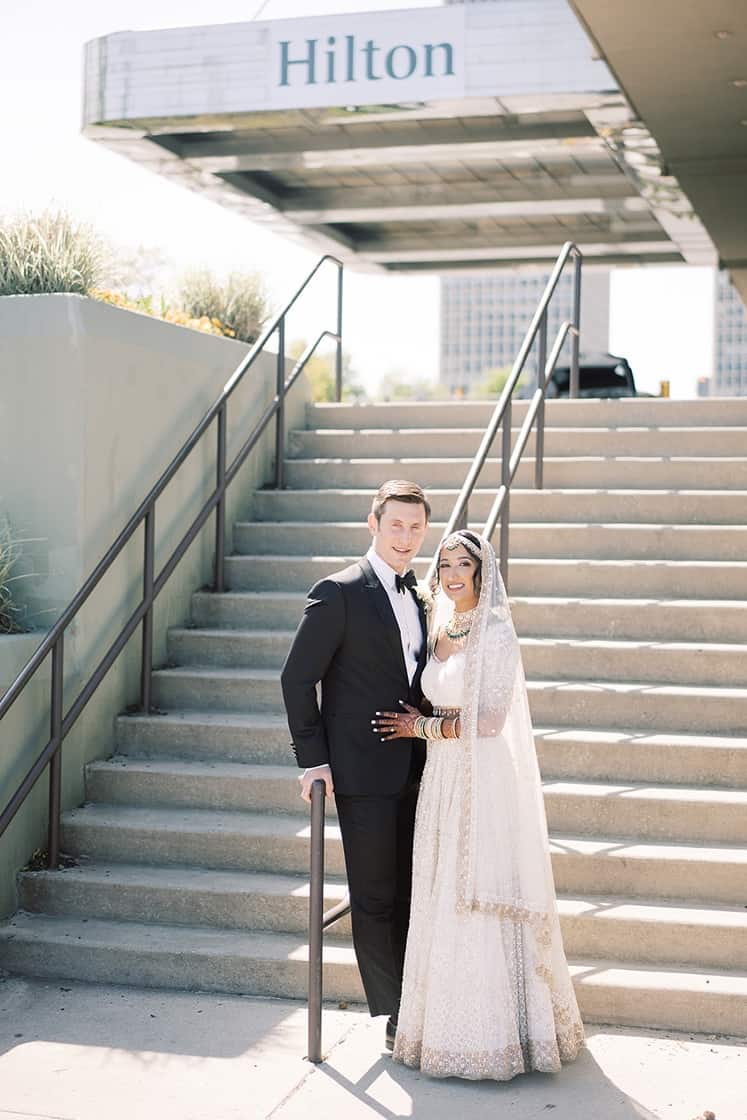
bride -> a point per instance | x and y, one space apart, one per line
486 990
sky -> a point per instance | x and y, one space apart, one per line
390 323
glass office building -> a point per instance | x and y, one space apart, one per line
484 318
730 341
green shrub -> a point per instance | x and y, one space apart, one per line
239 303
50 253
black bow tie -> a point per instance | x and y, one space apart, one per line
407 582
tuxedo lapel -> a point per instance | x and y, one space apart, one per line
424 628
384 607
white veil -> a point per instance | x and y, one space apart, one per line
504 855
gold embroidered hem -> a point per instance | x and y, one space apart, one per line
485 1065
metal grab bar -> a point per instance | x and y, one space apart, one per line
60 723
319 921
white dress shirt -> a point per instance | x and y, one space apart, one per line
405 611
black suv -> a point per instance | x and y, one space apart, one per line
599 375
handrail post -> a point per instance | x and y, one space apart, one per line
539 439
338 354
280 414
573 388
55 762
505 482
220 509
146 659
316 919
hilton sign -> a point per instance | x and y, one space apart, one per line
371 58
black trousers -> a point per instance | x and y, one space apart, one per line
377 834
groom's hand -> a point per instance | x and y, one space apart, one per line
312 775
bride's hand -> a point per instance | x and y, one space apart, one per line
396 725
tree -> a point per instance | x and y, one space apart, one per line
492 383
320 371
396 385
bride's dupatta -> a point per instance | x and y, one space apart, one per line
504 857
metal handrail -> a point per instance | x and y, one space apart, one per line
502 413
61 723
318 920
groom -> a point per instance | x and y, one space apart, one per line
363 636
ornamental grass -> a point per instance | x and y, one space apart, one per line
50 253
10 611
239 303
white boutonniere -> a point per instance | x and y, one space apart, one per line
424 594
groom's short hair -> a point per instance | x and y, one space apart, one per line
399 490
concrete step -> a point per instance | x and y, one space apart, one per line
251 841
657 812
192 896
677 579
615 928
631 756
631 412
164 956
687 663
617 541
197 958
693 620
628 506
219 647
710 620
206 736
706 663
231 840
639 706
690 1000
696 760
252 787
584 865
415 442
655 933
230 690
645 473
635 704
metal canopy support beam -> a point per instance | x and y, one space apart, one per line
464 211
305 157
510 242
353 136
524 254
534 187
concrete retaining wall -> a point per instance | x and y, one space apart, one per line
95 402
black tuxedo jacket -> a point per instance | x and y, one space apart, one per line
349 641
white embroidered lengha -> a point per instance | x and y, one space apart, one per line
486 992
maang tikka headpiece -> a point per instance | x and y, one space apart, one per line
454 540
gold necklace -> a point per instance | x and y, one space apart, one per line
462 623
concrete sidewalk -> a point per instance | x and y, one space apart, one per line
71 1051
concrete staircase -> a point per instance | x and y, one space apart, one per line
629 583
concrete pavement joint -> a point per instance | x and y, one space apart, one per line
313 1068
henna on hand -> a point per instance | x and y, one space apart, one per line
396 725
